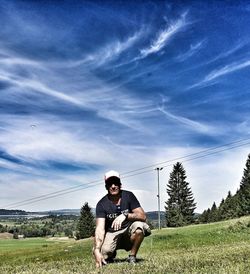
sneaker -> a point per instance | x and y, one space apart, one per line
131 259
110 260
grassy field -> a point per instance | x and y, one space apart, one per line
213 248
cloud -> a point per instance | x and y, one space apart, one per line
226 70
160 41
109 52
163 37
217 73
38 86
192 125
75 143
84 92
192 51
10 61
229 52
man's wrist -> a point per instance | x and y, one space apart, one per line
126 215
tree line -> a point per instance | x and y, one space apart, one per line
42 227
232 206
180 205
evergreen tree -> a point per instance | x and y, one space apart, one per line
208 215
244 191
214 213
221 210
230 208
180 205
203 218
86 225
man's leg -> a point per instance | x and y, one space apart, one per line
110 243
137 234
109 246
136 239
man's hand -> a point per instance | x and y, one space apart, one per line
117 223
99 260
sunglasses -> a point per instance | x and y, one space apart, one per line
113 181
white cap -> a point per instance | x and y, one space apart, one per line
111 173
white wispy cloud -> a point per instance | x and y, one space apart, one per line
109 52
193 125
55 140
38 86
164 36
238 46
226 70
192 50
217 73
98 96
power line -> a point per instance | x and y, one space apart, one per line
52 196
146 169
187 156
59 192
187 160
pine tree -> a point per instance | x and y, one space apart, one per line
221 210
180 205
230 208
86 225
214 213
208 215
203 218
244 191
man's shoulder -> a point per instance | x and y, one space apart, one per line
103 199
127 193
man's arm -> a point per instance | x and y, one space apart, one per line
99 238
137 214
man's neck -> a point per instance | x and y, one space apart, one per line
114 198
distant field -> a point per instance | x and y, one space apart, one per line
213 248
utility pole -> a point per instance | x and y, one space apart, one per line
158 196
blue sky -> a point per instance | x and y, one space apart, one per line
89 86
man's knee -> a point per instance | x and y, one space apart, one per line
139 232
137 235
139 227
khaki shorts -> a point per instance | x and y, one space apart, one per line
121 239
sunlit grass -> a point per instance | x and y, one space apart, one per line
213 248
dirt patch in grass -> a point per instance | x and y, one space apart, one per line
6 235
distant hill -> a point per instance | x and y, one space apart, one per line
12 212
153 215
58 212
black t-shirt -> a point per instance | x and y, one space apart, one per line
108 210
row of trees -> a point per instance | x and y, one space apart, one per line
232 206
41 227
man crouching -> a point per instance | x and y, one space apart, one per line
120 222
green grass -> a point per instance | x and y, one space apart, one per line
213 248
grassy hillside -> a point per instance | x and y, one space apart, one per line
212 248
